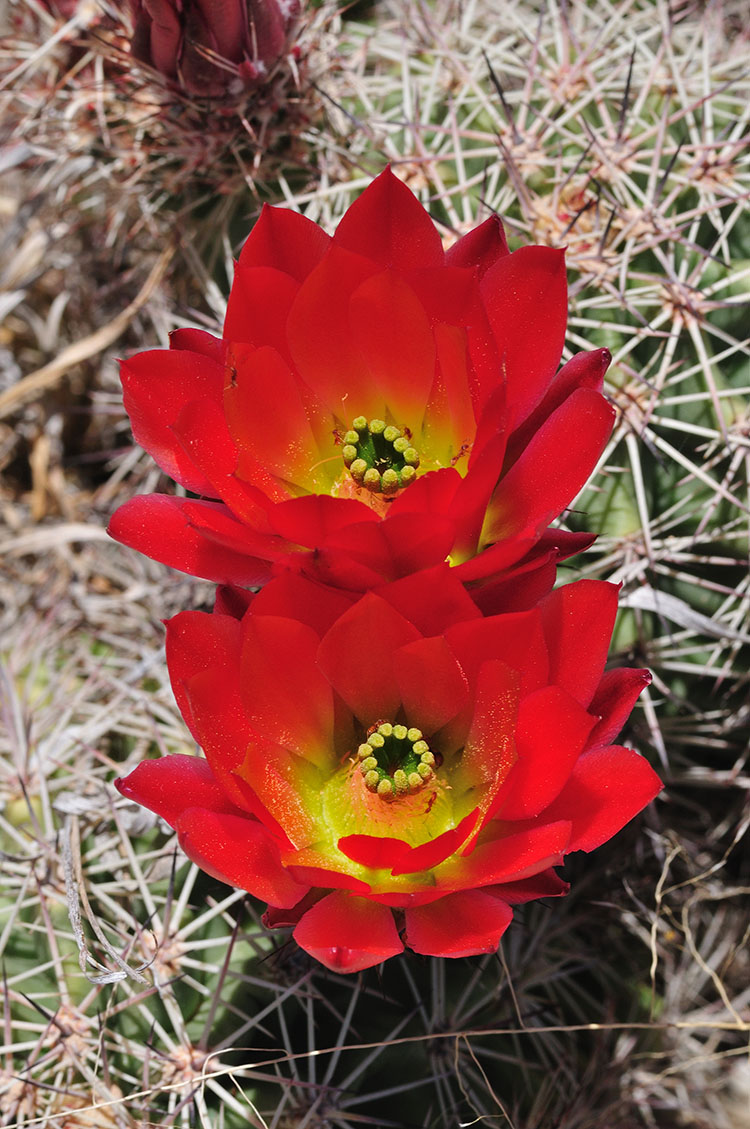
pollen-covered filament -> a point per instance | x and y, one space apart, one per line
395 761
379 456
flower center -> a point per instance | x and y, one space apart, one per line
395 761
379 456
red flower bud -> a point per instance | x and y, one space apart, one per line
211 47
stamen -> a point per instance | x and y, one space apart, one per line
379 456
395 760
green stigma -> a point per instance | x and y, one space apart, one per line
380 457
395 761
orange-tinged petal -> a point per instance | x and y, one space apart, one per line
393 335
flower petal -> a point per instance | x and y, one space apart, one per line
287 699
239 852
157 525
432 686
156 386
551 470
547 884
606 789
459 925
388 225
551 735
431 599
267 417
527 301
357 657
347 934
393 335
170 785
615 697
198 641
285 240
322 344
258 308
578 620
481 247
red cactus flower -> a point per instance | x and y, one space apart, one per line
376 406
396 768
211 47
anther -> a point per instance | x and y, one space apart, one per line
389 482
371 480
415 781
421 747
371 781
376 740
349 453
428 758
399 732
377 426
424 770
400 780
408 475
385 789
360 423
358 469
351 437
412 735
369 764
385 729
391 433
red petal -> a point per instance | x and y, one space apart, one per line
392 332
232 600
239 852
481 247
198 641
295 597
384 853
431 599
552 469
615 697
170 785
449 424
515 640
490 751
285 240
267 417
157 525
324 349
286 698
156 386
578 620
202 432
313 519
510 858
551 734
584 370
357 657
388 225
258 308
347 934
606 789
198 341
432 686
527 302
459 925
519 589
544 885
